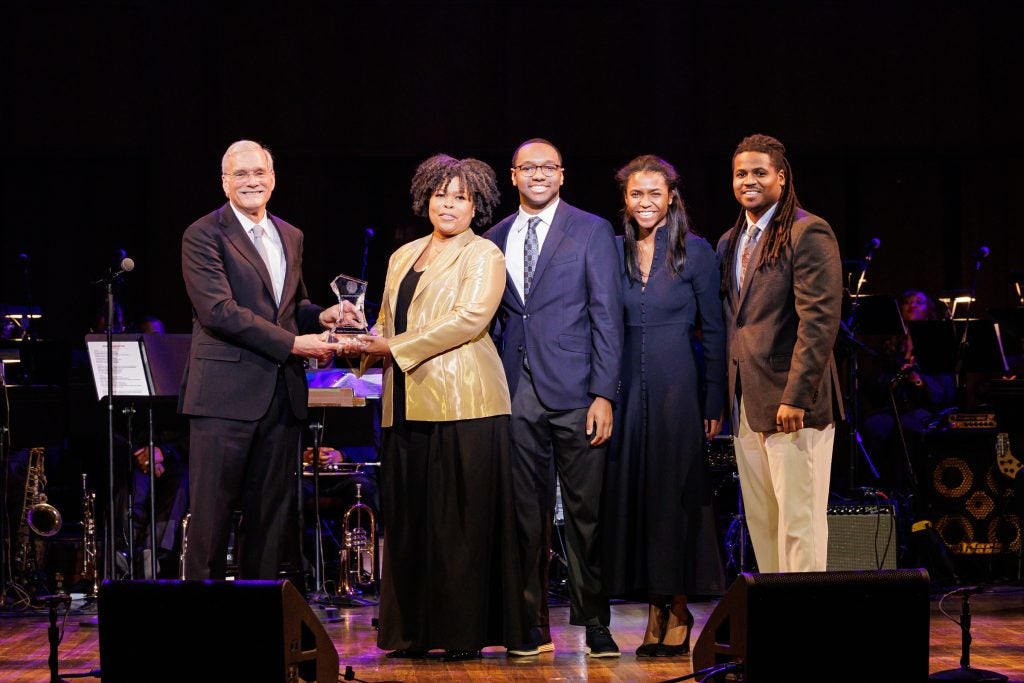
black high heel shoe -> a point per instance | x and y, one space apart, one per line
460 655
407 653
682 648
651 649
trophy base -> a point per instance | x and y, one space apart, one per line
344 335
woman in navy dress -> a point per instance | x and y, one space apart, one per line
670 400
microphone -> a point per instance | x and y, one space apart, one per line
980 253
869 248
23 258
127 266
367 235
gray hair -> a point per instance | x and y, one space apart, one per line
245 146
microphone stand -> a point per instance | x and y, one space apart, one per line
111 528
966 672
319 593
853 410
368 235
4 520
961 349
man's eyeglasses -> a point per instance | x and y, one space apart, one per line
242 176
529 170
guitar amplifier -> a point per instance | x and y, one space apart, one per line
972 420
861 536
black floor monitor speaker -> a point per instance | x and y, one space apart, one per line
841 627
250 631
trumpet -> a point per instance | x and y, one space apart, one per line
358 550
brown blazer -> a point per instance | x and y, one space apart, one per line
781 328
452 367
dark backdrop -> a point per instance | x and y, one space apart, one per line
899 121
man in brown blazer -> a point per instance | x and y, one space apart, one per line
782 281
244 388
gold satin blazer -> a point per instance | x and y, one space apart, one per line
451 366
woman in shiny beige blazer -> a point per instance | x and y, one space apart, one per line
450 578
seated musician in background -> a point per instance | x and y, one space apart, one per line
339 477
170 455
918 396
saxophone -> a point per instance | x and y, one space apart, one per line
37 515
89 539
42 518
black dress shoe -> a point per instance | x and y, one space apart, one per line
407 653
460 655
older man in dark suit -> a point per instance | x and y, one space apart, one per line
244 389
560 338
782 279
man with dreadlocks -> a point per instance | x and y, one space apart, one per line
782 283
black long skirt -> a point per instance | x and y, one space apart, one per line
450 577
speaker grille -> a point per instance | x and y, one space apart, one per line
861 537
971 494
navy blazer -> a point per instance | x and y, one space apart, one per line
571 327
241 338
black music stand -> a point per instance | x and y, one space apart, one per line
937 346
877 314
156 363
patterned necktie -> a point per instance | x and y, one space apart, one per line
748 249
530 252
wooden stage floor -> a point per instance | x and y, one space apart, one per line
998 645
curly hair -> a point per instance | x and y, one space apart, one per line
777 235
475 177
677 222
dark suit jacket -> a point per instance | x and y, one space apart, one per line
240 337
572 324
781 328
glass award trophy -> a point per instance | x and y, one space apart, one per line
351 293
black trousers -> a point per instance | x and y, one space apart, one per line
545 443
247 466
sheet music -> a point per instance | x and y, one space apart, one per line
130 377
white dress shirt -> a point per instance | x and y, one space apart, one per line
517 240
272 243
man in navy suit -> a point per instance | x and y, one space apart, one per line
559 332
244 388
